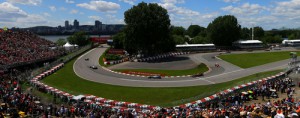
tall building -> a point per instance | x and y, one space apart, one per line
76 24
98 24
103 27
67 24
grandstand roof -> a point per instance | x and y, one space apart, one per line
247 41
194 45
290 41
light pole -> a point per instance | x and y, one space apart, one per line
252 32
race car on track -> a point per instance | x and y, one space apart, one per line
154 77
93 67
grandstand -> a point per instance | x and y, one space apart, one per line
196 47
295 42
20 48
247 44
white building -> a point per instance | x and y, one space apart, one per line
248 44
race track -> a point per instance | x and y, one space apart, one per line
225 73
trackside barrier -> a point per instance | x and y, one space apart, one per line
148 58
94 100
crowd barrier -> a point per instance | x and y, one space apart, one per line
148 58
94 100
115 62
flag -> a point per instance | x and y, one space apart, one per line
5 28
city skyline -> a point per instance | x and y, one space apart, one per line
268 14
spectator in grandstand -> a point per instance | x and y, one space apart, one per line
24 47
233 105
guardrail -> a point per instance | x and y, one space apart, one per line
63 59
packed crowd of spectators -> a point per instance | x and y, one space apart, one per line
24 47
238 104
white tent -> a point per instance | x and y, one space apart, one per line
67 45
78 97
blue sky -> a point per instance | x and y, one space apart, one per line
265 13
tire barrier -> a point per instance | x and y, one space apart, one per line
94 100
115 62
161 56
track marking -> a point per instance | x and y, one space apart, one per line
209 81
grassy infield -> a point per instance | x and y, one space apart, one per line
248 60
199 69
66 80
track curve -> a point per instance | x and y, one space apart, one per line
217 75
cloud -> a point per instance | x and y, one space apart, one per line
70 1
245 9
52 8
266 21
10 12
172 8
128 1
100 6
231 1
73 11
13 16
26 2
94 17
288 8
182 16
46 14
112 19
62 8
32 19
173 1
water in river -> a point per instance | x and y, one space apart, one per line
54 38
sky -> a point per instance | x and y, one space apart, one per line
267 14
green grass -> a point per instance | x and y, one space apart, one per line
46 98
101 59
199 69
248 60
66 80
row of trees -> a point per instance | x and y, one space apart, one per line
148 31
78 38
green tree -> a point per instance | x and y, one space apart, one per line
245 33
78 38
224 30
61 42
148 30
292 36
175 30
118 40
179 39
200 40
194 30
259 32
271 39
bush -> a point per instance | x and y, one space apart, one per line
112 57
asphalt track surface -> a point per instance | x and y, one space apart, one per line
226 72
